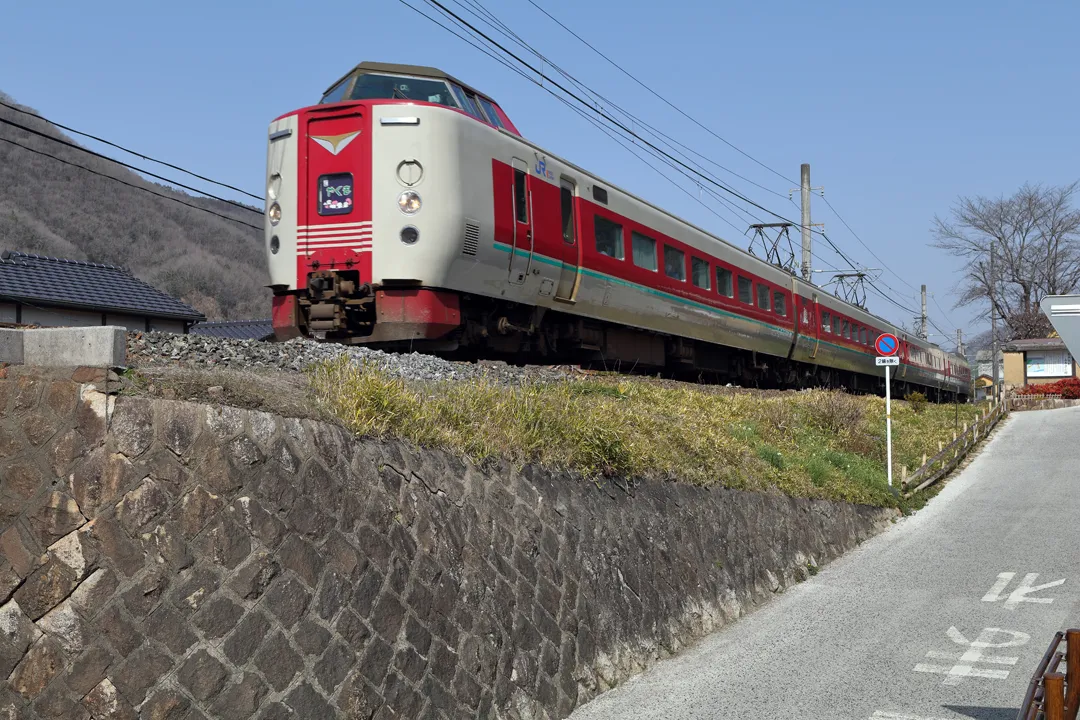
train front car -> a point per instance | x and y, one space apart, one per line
366 194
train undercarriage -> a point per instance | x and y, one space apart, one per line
407 318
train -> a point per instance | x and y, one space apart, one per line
406 211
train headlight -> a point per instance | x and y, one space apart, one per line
275 214
409 235
409 202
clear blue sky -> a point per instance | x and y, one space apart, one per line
899 108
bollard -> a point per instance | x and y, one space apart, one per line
903 476
923 460
1072 672
1054 696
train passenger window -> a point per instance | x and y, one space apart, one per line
674 263
609 237
826 322
845 329
699 272
763 296
521 198
490 111
779 304
643 249
836 325
746 291
566 198
723 282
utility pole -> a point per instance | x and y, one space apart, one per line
805 221
922 316
993 327
959 341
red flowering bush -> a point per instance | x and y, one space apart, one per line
1068 388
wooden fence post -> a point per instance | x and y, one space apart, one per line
1072 671
1054 696
903 476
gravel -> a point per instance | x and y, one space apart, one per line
157 349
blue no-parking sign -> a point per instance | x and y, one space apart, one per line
886 344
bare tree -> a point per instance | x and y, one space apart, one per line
1035 238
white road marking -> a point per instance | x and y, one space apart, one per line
965 662
1020 594
882 715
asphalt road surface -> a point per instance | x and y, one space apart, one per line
945 615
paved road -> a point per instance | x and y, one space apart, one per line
929 620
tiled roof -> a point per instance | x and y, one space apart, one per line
235 329
1035 344
70 283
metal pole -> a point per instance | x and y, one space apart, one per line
993 328
888 424
922 317
806 270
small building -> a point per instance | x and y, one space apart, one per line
1037 361
51 292
236 329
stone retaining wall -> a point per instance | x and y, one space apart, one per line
168 560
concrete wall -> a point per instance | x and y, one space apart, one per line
1014 369
173 560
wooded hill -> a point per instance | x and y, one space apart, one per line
46 207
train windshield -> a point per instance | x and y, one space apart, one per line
399 87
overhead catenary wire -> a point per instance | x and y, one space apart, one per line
136 153
131 185
76 146
660 97
600 112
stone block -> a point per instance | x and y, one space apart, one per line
39 666
166 704
357 698
218 616
147 592
334 666
169 628
224 543
278 661
58 515
132 426
19 548
55 703
88 669
196 586
64 450
202 675
9 580
387 617
311 638
141 505
354 630
143 669
61 397
105 703
263 526
64 624
244 642
40 429
103 346
303 559
44 589
94 592
251 580
114 625
195 510
178 424
287 599
11 346
165 545
114 547
17 634
241 700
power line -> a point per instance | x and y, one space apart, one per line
611 120
130 152
131 185
659 96
868 249
75 146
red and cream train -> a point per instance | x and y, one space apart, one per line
405 210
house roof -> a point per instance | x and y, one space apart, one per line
49 281
1035 344
235 329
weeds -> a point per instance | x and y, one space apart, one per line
809 444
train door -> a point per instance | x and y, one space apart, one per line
521 255
815 321
570 274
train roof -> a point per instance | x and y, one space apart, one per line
415 70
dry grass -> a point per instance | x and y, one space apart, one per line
809 444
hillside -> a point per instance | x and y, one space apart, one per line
46 207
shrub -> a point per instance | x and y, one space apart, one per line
1068 388
917 401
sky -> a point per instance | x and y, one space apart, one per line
900 108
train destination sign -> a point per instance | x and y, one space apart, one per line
886 344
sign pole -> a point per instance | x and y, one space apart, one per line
888 424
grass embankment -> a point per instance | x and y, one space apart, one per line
809 444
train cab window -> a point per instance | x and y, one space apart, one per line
337 93
644 251
699 272
779 304
826 322
746 290
675 263
490 111
566 199
609 237
763 296
402 87
723 282
521 197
